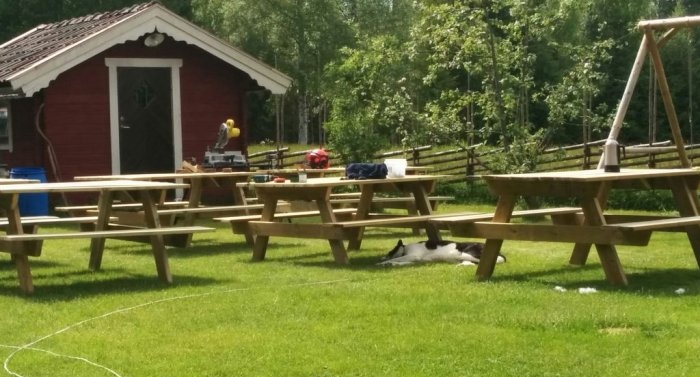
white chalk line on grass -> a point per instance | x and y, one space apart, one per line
63 356
30 346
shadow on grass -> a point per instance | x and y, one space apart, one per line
76 284
9 265
651 281
209 249
68 291
359 260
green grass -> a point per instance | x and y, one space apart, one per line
298 314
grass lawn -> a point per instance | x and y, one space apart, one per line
298 314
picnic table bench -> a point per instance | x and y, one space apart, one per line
318 190
381 202
590 188
192 206
21 245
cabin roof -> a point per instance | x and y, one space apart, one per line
31 60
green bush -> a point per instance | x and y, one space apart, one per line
472 191
476 192
650 200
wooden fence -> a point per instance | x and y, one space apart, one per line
468 162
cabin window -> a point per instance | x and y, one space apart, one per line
5 126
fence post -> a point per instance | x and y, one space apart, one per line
416 157
470 162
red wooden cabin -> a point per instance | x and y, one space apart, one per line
133 90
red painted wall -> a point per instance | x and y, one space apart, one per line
76 110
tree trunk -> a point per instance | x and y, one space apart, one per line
303 107
496 79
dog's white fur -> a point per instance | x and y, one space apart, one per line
465 253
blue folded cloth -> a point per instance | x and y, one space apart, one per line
365 171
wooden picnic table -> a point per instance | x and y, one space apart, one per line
21 245
197 182
319 191
590 188
193 199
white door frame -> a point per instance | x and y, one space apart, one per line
174 65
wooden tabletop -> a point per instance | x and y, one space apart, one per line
308 171
593 175
342 181
166 176
588 182
76 186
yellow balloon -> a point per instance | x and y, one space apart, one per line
233 132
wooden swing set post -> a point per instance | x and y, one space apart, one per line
651 46
666 97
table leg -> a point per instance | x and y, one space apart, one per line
194 199
492 247
411 210
420 196
24 273
14 226
97 245
609 259
325 210
687 204
238 195
579 255
363 208
9 205
157 245
268 214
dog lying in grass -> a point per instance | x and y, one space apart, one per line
464 253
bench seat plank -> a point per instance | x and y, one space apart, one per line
473 217
209 209
297 230
283 215
51 220
106 233
388 221
659 224
601 234
124 206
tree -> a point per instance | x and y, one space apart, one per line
296 36
371 96
481 63
374 88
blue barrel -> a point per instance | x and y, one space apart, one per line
32 204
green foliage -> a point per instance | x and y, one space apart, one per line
473 191
661 200
481 64
570 101
371 97
296 37
354 139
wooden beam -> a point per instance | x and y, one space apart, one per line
627 95
664 38
666 96
668 23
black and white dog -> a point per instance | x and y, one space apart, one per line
465 253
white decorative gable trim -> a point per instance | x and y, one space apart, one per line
40 74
